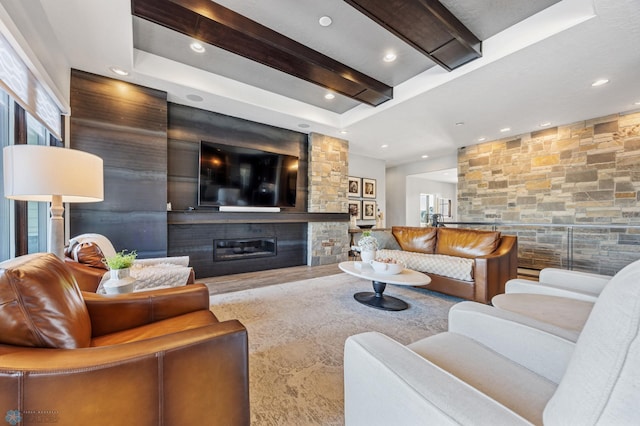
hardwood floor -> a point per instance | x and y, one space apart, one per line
247 280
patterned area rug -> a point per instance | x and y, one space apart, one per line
296 340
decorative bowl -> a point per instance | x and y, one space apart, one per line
365 226
388 267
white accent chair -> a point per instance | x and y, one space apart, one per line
562 283
562 298
493 368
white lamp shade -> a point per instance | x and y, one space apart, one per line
37 173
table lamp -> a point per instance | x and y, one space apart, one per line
55 175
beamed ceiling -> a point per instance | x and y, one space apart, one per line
464 70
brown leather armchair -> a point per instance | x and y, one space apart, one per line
153 358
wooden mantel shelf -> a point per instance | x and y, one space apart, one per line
184 217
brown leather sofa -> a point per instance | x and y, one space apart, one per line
495 258
154 358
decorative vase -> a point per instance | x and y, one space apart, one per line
120 281
367 255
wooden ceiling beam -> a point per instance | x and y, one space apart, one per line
216 25
426 25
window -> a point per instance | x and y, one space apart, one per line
37 213
6 212
32 230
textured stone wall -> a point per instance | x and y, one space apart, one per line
328 178
585 173
328 242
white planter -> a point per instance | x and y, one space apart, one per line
367 255
120 281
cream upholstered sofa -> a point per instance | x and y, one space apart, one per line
496 367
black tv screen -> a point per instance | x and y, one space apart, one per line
236 176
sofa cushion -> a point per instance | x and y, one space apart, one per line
466 242
41 305
458 268
415 239
385 239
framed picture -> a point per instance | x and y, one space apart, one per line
355 209
355 187
368 188
368 210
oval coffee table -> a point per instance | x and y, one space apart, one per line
376 299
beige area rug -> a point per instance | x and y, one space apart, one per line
297 332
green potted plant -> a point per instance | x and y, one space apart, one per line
368 245
121 260
120 279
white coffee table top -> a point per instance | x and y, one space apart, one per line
364 270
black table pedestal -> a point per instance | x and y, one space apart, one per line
380 301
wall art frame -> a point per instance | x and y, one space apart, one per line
368 210
355 187
368 188
355 209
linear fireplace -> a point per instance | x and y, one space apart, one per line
233 249
257 247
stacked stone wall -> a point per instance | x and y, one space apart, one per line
328 178
585 173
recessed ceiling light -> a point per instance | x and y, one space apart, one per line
389 57
599 82
343 132
303 126
325 21
505 129
195 98
637 103
384 146
197 47
425 156
329 96
119 71
460 123
545 124
482 139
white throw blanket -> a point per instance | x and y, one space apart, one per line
152 274
458 268
159 275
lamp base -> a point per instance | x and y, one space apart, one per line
55 243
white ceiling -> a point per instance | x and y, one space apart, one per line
533 70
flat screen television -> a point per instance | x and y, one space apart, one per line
237 176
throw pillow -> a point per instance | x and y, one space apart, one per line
467 243
87 253
415 239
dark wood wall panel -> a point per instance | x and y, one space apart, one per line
196 241
188 126
125 125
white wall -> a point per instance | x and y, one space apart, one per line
396 185
371 168
417 186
